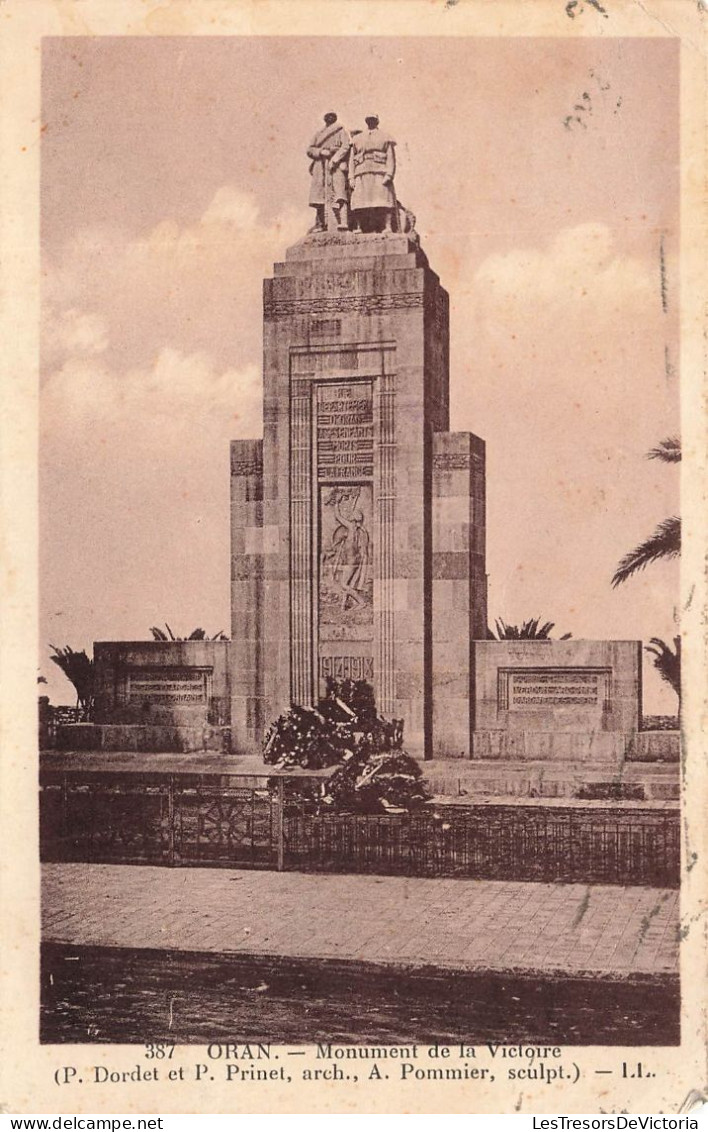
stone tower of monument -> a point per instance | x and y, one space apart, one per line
358 522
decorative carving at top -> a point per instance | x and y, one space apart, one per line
343 304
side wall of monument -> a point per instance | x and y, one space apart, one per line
573 700
250 544
180 683
459 586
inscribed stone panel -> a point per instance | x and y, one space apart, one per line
345 431
524 689
167 686
340 667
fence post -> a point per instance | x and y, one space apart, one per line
280 824
171 819
65 847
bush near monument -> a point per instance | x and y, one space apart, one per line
196 635
531 630
78 667
373 773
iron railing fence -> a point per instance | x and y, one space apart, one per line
211 820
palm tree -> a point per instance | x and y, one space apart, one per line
195 635
79 670
531 630
668 450
667 662
665 542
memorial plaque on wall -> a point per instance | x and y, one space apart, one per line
528 688
345 431
171 686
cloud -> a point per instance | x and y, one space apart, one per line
71 332
580 270
561 328
134 478
194 286
151 365
559 364
581 276
84 402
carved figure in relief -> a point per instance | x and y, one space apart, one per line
372 166
329 189
349 554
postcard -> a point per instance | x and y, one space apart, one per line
354 654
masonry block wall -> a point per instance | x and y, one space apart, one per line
249 545
339 530
459 586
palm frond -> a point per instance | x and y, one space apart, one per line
196 635
531 630
665 542
543 634
668 450
78 668
667 661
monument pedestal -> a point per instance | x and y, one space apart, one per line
358 524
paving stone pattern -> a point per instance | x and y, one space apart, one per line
405 921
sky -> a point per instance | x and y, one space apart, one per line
544 177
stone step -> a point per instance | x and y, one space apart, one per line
456 778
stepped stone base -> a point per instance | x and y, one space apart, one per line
609 747
491 778
147 738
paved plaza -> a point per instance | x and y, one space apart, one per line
409 922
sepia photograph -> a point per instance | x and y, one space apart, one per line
359 693
425 784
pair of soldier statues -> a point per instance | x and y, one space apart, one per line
352 178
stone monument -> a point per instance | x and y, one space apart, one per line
157 696
358 522
550 700
358 529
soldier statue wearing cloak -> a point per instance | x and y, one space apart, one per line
329 191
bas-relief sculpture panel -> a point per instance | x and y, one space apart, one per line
345 457
345 508
346 590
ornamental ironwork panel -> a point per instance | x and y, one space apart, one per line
222 825
210 820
